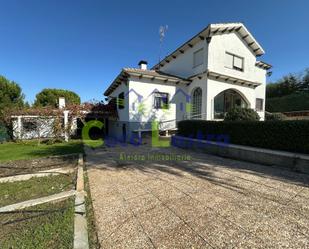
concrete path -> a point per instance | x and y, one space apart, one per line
204 202
38 201
43 173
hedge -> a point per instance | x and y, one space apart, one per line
293 102
290 136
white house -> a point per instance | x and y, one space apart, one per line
211 73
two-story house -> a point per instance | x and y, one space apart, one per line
214 71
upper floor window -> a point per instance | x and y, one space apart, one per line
259 104
160 100
198 57
120 101
234 62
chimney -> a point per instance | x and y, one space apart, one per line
143 65
61 103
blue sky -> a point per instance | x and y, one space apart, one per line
82 45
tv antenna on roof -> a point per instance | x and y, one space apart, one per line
162 32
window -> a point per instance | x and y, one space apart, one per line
259 104
160 100
120 101
234 62
29 126
196 110
198 58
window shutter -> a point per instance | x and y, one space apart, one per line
198 58
259 104
229 60
238 62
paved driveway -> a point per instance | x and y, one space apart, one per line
204 202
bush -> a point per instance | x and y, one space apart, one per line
275 116
278 135
242 114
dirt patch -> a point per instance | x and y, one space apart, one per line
34 165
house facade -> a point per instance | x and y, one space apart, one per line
216 70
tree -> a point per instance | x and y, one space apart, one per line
287 85
305 81
11 95
50 97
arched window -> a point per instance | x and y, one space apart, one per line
196 108
226 101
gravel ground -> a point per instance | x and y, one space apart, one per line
202 202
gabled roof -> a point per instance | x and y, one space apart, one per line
141 73
215 29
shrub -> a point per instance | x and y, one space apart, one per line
290 135
275 116
242 114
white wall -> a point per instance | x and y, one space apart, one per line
202 83
232 43
214 87
123 114
183 64
145 88
139 113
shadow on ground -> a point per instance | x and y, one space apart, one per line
200 165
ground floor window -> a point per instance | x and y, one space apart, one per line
227 100
160 100
259 104
196 107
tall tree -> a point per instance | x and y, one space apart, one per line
305 81
287 85
50 97
11 95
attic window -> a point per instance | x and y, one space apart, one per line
198 57
234 62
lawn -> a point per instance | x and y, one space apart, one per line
92 232
31 149
14 192
45 226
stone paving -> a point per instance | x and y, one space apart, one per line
204 202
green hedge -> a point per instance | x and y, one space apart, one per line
290 136
293 102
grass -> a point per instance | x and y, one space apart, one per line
14 192
31 149
92 232
45 226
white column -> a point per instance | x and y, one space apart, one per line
66 120
19 127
